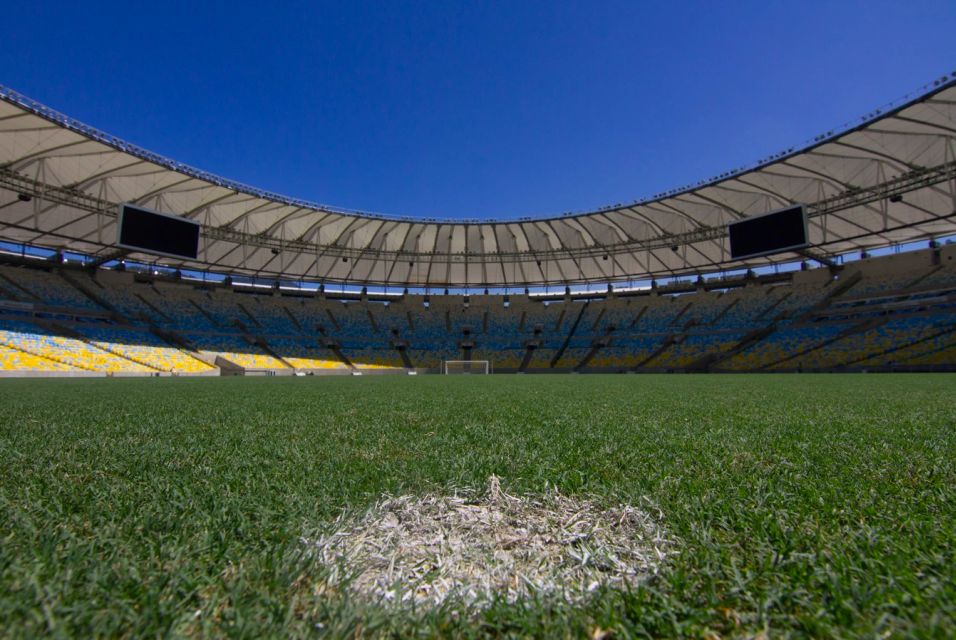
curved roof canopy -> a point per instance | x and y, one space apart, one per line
849 181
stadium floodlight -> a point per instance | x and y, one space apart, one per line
466 367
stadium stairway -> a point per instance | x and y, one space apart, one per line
710 360
206 314
530 347
117 315
252 318
19 290
772 306
176 340
727 309
925 340
531 344
293 319
401 347
932 353
261 342
596 345
371 319
841 287
567 339
466 344
637 318
154 308
333 319
669 341
855 328
336 349
926 276
89 293
557 323
680 314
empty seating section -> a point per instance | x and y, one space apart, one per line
705 308
873 285
351 320
798 300
432 358
10 292
392 319
12 359
141 346
541 358
374 357
572 356
875 340
620 316
788 340
304 353
747 306
659 316
930 342
461 318
39 341
126 302
431 342
503 358
629 351
942 355
234 349
694 347
900 310
273 319
224 311
944 277
550 317
502 332
177 309
50 288
309 316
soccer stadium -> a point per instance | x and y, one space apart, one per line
722 410
283 287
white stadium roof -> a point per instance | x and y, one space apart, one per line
849 179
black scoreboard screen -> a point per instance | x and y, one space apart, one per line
773 232
152 232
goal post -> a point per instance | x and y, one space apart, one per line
464 367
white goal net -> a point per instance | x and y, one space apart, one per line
458 367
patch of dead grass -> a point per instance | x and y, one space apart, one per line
474 546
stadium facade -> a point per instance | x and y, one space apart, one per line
73 302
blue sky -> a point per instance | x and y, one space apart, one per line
472 109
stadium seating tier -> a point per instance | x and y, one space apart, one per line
881 312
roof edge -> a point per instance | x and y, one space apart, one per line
52 115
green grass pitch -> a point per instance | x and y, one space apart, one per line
803 505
